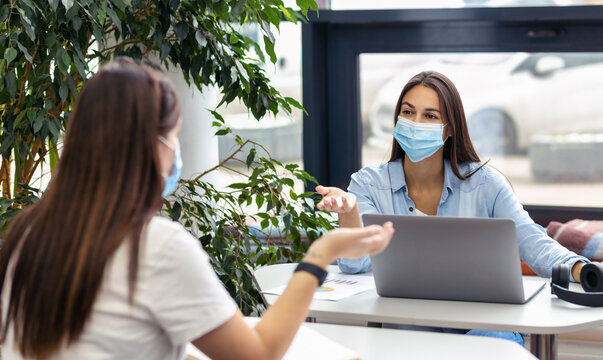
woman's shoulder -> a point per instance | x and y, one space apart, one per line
483 175
162 233
159 225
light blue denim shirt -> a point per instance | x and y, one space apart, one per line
382 190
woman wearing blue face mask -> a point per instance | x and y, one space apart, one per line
434 170
171 179
92 272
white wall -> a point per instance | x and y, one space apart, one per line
198 143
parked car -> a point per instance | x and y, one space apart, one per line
509 97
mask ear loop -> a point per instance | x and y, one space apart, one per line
166 143
447 137
175 149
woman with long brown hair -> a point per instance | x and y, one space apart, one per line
91 271
434 170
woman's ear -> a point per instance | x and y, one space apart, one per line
446 133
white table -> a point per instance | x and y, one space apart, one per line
544 316
377 344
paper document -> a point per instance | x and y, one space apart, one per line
336 287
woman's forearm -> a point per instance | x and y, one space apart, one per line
280 322
350 219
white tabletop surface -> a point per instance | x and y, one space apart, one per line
543 314
373 343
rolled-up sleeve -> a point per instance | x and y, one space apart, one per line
536 248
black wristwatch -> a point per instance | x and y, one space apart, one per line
315 270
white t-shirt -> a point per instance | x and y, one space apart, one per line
420 213
178 298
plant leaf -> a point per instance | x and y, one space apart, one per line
24 51
29 29
165 50
67 4
4 12
113 16
201 40
64 91
11 83
181 30
10 54
250 157
269 46
120 5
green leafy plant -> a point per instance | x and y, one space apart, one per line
48 49
220 219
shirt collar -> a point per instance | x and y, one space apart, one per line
449 178
398 180
396 175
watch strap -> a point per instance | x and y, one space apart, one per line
315 270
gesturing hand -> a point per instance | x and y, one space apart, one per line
350 243
335 200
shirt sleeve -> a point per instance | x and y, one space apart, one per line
365 206
536 248
188 300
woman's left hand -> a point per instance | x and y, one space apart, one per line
349 243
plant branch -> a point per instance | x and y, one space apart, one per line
26 73
5 177
232 157
12 6
124 43
221 164
28 166
31 172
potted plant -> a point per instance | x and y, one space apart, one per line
49 48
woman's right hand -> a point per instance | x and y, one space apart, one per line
335 200
349 243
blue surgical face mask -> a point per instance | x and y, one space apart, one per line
171 180
418 140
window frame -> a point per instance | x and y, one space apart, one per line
332 41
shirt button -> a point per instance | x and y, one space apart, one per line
410 208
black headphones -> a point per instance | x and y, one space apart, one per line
591 278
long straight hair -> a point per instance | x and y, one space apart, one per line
458 148
106 187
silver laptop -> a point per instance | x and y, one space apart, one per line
451 258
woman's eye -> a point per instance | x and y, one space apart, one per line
431 117
406 112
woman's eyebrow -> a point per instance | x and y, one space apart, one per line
409 104
432 109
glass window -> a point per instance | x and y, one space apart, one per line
281 136
537 117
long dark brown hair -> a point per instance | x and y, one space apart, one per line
106 187
458 148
